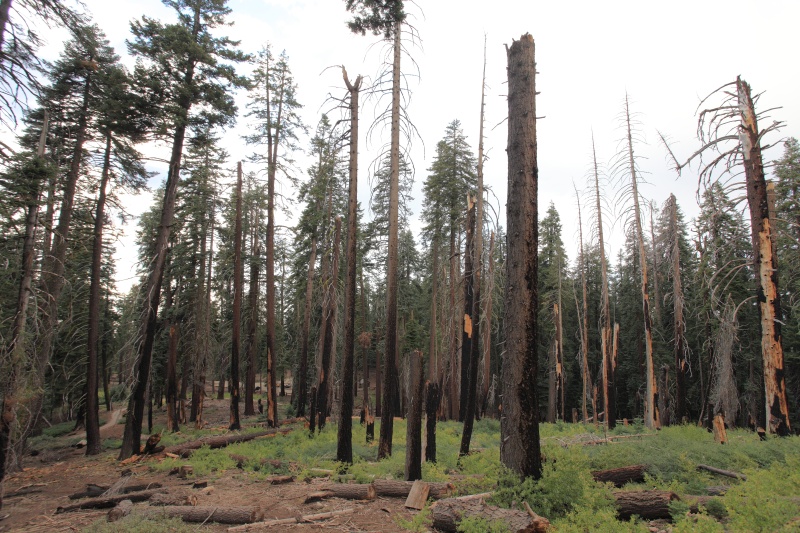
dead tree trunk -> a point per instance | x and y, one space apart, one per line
768 297
487 337
432 343
469 364
607 388
327 335
519 423
390 377
344 448
431 407
413 469
679 335
452 396
237 303
586 382
652 420
301 379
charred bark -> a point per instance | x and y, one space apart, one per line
237 303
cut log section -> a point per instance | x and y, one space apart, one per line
401 489
418 495
344 491
721 472
447 514
121 510
111 501
220 515
621 476
187 448
649 504
288 521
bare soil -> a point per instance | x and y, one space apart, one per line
34 494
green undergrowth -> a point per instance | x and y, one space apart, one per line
135 523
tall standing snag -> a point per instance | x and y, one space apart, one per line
519 423
344 447
237 302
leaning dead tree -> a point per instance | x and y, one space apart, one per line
519 423
626 168
730 137
679 331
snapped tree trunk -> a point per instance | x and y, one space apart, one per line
413 470
471 282
519 423
466 321
767 295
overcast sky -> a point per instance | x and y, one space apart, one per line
666 56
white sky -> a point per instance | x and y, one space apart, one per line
667 56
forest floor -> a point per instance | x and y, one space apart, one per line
567 494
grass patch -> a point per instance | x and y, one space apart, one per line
134 523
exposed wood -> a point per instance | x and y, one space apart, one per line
151 446
720 435
446 515
401 489
620 476
121 510
721 472
346 491
187 448
413 466
296 520
519 422
202 515
418 495
174 498
649 504
185 471
110 501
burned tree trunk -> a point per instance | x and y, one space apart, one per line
466 321
303 371
344 449
519 423
431 407
487 337
237 303
470 370
390 377
768 297
413 468
172 380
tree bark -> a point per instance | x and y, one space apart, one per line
584 330
252 327
172 380
466 321
652 419
107 502
328 331
648 504
346 491
237 303
621 476
471 325
344 447
202 515
431 407
302 378
487 337
390 373
413 468
93 444
391 488
607 388
767 294
519 423
679 340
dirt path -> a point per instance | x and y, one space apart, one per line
107 429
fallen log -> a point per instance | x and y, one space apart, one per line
698 502
649 504
174 498
345 491
241 460
110 501
612 438
717 490
288 521
447 513
202 515
121 510
721 472
620 476
92 491
280 480
401 489
187 448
